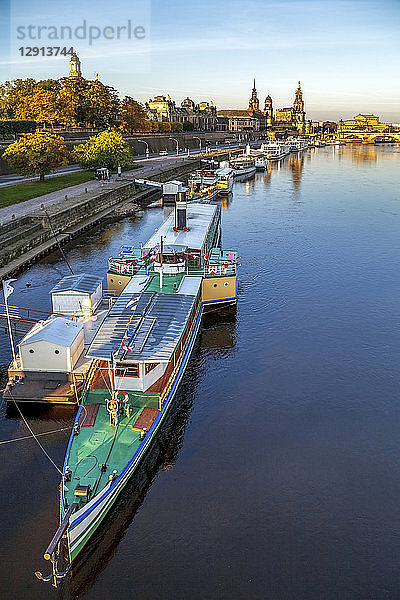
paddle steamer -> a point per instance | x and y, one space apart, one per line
139 355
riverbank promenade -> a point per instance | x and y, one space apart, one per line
23 209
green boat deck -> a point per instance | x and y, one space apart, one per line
168 281
90 448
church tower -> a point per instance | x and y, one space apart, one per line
75 66
254 103
268 110
299 113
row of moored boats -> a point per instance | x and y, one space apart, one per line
206 184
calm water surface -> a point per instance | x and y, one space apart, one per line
278 474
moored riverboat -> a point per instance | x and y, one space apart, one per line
274 151
202 185
139 355
243 165
225 180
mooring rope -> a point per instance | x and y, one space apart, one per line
34 435
29 437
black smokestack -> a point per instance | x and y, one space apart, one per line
180 211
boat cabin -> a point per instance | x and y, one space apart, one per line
53 345
147 349
170 259
171 189
77 295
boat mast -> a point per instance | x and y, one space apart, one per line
7 290
161 262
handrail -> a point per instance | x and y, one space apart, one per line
123 268
89 377
46 312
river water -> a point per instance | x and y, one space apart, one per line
277 476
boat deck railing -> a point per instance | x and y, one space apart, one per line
214 270
220 270
118 265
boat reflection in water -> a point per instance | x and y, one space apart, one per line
217 337
225 201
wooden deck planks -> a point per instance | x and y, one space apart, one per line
146 418
88 415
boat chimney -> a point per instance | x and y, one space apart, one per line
180 212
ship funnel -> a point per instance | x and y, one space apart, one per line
180 212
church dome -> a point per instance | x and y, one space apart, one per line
188 103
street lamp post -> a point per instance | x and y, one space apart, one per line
177 144
147 147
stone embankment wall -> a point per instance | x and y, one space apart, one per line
25 240
156 143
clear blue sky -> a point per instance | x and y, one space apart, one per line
345 52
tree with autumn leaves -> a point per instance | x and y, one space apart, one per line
37 154
41 152
67 102
75 102
107 149
133 115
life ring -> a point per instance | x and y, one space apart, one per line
125 396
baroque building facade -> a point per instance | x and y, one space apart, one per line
202 116
292 118
252 119
360 123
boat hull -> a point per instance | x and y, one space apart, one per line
246 171
277 157
85 522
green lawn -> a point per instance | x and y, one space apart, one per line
13 194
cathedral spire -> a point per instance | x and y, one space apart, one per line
298 106
254 103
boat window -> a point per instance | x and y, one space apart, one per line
173 258
31 351
127 370
56 352
149 367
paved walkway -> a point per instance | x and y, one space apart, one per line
25 208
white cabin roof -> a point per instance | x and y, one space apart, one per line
199 219
58 330
223 171
82 282
173 186
190 285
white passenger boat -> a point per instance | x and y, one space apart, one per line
274 151
243 165
261 163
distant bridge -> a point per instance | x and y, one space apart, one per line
368 137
